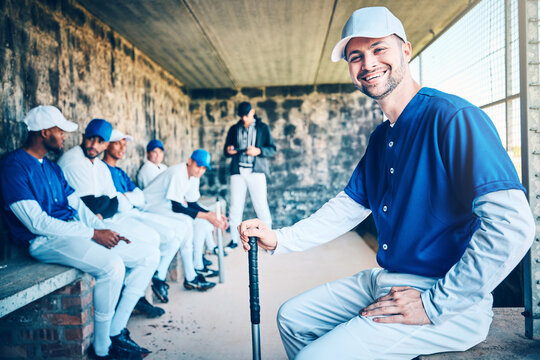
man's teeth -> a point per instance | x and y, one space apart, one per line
373 77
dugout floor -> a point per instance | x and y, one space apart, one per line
216 324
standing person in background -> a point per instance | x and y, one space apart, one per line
249 143
155 152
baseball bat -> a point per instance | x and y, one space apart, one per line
219 236
254 299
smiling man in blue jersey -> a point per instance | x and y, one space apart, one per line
452 218
43 214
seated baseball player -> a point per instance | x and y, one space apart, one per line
44 215
175 193
92 181
171 233
155 152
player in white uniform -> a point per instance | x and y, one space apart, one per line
43 213
171 232
175 193
155 152
92 181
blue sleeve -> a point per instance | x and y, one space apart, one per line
474 157
15 184
356 188
130 186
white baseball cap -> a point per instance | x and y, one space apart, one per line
45 117
370 22
117 135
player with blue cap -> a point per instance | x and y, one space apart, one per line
153 166
175 193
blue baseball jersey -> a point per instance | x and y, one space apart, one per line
122 182
23 177
421 177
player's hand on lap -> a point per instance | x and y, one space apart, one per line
108 238
402 304
255 227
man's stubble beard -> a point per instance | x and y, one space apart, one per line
392 83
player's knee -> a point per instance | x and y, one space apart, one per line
115 269
153 237
152 256
285 315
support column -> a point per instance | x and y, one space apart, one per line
530 150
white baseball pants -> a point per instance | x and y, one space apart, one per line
169 240
202 234
129 264
256 184
323 323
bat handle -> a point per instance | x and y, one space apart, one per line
254 299
253 282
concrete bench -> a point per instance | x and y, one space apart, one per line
25 280
45 311
506 341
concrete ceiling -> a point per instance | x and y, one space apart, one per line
250 43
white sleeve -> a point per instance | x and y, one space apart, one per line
193 193
176 187
123 203
506 232
84 213
136 197
146 174
78 178
40 223
333 219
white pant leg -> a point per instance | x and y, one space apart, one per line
209 241
105 265
201 229
169 241
362 338
256 184
236 208
183 227
141 262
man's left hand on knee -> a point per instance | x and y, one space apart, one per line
401 305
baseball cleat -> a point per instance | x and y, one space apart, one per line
160 289
123 342
232 245
199 283
216 251
150 310
206 262
206 272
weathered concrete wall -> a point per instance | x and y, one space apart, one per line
320 132
55 52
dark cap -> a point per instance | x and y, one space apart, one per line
155 143
244 108
98 127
